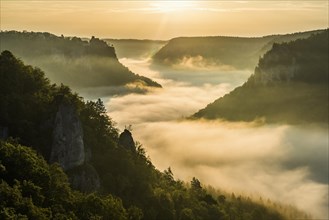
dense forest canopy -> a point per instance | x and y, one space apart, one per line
130 186
73 61
290 85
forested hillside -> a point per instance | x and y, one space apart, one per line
232 52
73 61
113 180
290 85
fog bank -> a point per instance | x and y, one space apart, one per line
245 158
285 163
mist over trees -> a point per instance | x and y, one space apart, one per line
290 85
131 187
73 61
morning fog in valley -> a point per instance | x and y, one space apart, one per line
178 110
282 162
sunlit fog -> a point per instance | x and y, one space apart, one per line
285 163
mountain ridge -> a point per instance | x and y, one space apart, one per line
73 61
289 85
237 52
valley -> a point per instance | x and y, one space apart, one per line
229 155
164 110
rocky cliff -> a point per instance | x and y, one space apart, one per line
68 147
69 151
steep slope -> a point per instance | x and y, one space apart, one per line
34 112
234 52
72 61
290 85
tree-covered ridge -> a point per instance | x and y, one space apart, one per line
71 60
43 43
303 60
236 52
290 85
131 187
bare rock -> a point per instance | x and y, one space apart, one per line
67 147
126 140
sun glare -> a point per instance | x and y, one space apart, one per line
169 6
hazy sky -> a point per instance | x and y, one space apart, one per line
155 19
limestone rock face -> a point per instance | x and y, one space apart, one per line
69 151
278 73
126 140
67 147
84 178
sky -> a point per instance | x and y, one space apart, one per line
163 20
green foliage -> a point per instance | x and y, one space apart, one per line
186 214
195 184
290 85
95 207
99 130
135 213
32 189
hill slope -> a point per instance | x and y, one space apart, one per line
290 85
234 52
72 61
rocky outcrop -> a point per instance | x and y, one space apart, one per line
69 151
84 178
277 74
67 147
126 140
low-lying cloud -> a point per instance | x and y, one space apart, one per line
199 63
285 163
203 74
175 100
245 158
